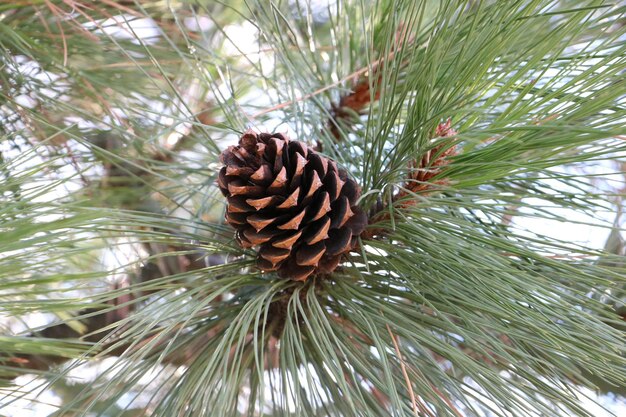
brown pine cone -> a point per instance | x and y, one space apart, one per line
295 204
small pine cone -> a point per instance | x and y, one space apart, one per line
295 204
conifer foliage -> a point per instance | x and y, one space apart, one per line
311 207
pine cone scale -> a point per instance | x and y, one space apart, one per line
309 255
262 176
318 233
291 201
341 208
274 255
261 203
239 205
256 238
315 185
279 185
294 222
260 222
319 207
288 241
248 190
339 242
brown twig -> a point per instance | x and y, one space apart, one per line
57 13
421 406
445 399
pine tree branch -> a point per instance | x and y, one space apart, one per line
475 63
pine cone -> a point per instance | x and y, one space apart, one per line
292 202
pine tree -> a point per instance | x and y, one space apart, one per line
309 208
